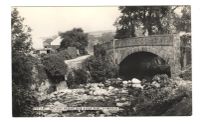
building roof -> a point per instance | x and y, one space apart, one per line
57 41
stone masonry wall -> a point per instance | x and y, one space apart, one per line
165 46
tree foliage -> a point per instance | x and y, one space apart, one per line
106 37
100 66
55 67
22 69
152 20
74 38
22 63
183 22
21 37
77 77
23 99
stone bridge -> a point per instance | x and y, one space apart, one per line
166 47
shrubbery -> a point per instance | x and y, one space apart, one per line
74 38
65 55
22 69
100 66
81 76
100 69
154 100
76 77
23 101
187 74
55 67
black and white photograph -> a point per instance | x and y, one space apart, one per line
101 61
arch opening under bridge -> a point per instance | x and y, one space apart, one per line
143 65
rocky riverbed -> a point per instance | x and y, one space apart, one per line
114 97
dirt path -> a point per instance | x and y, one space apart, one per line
77 62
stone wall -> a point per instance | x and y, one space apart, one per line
154 40
165 46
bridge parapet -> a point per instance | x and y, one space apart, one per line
154 40
165 46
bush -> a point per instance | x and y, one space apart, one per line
184 107
95 67
101 69
164 100
75 38
64 54
55 67
187 74
100 66
76 77
41 73
99 51
23 101
22 69
81 76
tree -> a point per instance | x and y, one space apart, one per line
23 99
75 38
22 69
21 47
55 67
100 66
21 37
106 37
183 22
152 20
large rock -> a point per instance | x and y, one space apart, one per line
57 103
101 92
137 85
125 82
78 91
62 85
135 81
124 91
44 87
110 88
123 104
109 112
155 83
119 79
106 112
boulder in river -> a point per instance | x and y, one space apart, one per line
101 92
125 82
123 104
135 81
155 83
62 85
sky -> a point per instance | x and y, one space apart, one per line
48 21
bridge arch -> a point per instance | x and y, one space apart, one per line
128 51
165 46
143 64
